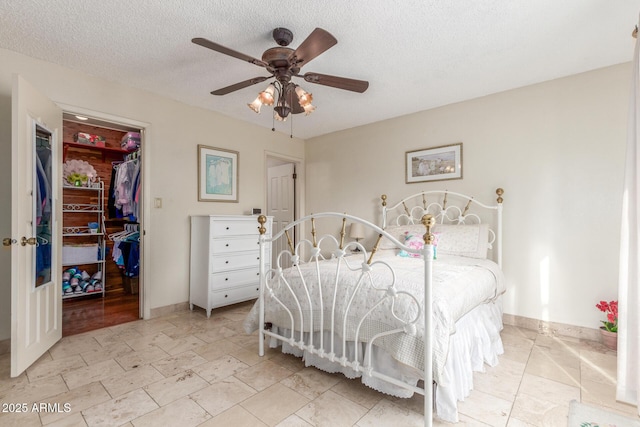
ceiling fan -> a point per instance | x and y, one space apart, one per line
283 63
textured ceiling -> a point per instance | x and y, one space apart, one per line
416 54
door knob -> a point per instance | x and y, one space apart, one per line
8 241
30 241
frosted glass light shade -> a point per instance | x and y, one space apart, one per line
266 96
255 105
304 98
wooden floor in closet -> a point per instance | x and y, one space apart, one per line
95 312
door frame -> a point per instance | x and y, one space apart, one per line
299 205
145 219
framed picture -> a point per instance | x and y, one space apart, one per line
434 164
217 174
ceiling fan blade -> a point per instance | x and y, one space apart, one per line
318 42
237 86
225 50
337 82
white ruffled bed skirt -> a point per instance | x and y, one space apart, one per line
475 342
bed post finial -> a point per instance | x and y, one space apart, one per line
262 220
500 192
343 232
384 199
428 221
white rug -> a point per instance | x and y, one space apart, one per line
581 415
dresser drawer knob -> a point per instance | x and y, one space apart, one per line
227 229
227 245
226 296
226 262
226 278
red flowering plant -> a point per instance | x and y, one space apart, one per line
611 308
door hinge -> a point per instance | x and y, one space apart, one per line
295 175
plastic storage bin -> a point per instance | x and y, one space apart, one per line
80 254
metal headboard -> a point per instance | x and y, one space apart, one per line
447 207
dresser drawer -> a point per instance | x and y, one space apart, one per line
230 244
232 261
234 278
234 228
229 296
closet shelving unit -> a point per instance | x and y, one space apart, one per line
91 254
104 151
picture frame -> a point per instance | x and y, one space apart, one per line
217 174
434 163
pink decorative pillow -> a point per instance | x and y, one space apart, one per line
399 232
414 241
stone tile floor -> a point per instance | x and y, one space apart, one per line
186 370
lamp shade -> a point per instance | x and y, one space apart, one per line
256 104
356 231
266 96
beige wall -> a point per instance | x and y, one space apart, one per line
175 131
556 148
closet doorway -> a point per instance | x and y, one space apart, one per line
282 196
101 223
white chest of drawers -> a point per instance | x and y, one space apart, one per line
225 259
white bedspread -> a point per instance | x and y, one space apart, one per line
459 285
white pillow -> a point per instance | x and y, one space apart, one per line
463 240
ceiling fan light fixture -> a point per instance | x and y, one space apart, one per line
304 97
282 110
308 109
278 117
255 105
266 96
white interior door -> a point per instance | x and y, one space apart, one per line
36 293
281 203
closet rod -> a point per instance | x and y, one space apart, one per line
116 165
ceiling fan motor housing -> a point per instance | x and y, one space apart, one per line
282 36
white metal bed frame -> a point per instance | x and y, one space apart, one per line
433 209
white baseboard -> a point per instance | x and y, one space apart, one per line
552 328
168 309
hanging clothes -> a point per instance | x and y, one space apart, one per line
131 258
126 250
124 190
112 211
